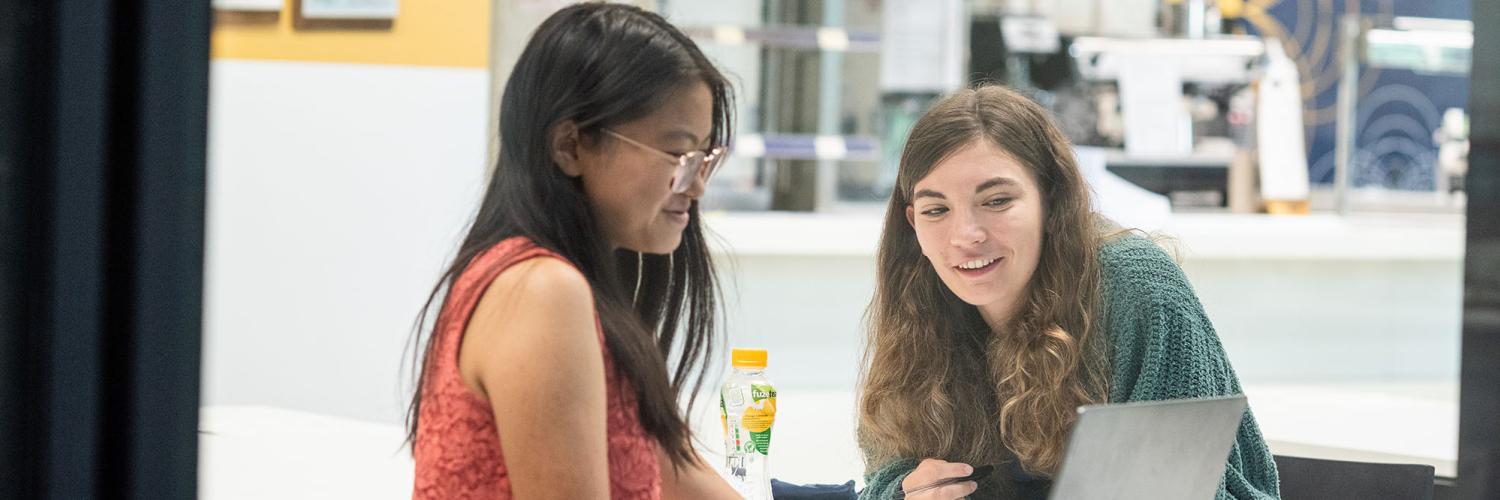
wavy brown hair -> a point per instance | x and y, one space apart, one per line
940 383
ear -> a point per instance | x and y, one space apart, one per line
564 144
910 217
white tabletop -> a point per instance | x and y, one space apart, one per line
258 452
253 452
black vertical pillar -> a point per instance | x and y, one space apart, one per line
171 113
102 154
19 251
1479 399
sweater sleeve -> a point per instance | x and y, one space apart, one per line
1166 348
884 482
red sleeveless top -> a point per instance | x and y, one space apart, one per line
458 450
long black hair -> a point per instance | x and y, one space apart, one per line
600 65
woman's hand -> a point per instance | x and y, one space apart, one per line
933 470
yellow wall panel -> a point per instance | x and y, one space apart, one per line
425 33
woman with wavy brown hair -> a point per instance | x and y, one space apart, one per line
1003 303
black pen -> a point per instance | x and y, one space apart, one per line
979 473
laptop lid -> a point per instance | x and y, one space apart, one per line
1157 450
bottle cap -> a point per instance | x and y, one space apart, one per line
748 358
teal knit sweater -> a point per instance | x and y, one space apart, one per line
1163 347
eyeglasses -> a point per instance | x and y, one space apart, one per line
690 165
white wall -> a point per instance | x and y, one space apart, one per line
1335 321
335 194
1318 299
1280 321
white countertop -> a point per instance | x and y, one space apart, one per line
1198 236
257 452
1371 422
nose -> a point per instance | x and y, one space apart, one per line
695 186
966 229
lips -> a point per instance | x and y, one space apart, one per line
678 216
977 267
977 263
677 208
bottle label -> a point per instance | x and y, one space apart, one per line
759 417
723 416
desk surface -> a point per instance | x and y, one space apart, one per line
260 452
1393 423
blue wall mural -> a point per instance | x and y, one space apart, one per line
1398 110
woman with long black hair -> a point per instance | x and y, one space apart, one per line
582 302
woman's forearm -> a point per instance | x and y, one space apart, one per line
693 481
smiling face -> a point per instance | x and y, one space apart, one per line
978 219
629 186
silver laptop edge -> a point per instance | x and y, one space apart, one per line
1157 450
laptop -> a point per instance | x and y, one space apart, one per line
1157 450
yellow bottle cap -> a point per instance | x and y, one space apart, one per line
748 358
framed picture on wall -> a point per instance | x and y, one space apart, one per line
249 5
350 9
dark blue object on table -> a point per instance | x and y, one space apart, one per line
787 491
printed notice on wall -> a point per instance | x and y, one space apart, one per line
923 46
349 9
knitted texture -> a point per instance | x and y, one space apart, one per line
457 450
1163 347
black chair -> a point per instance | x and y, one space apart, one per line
1317 479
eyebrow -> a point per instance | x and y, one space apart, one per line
682 134
928 193
993 182
997 181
